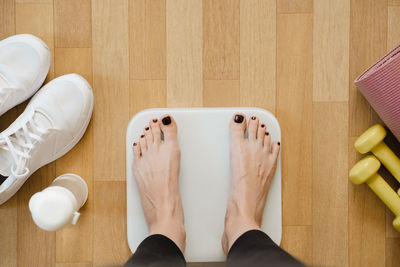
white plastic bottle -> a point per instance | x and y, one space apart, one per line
58 205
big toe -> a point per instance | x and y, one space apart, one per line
238 126
169 128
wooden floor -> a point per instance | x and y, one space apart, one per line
296 58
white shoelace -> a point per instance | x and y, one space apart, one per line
20 143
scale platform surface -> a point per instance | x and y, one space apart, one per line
203 135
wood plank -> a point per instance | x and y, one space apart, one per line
7 18
73 23
394 2
366 221
221 39
294 6
221 93
75 243
111 83
392 252
393 36
8 210
36 247
297 240
257 53
294 111
37 19
147 39
147 94
367 44
331 50
109 241
184 53
330 184
74 264
8 233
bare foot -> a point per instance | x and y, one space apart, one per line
252 169
156 170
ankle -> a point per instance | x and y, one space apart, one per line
172 229
235 226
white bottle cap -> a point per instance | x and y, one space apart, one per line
54 208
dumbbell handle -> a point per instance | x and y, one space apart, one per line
388 159
385 193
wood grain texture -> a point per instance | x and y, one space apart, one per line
221 93
40 24
147 39
7 18
36 247
147 94
184 48
221 39
393 35
110 244
331 50
394 2
8 233
294 111
258 53
73 23
111 83
366 221
392 252
294 6
74 264
297 240
330 184
75 243
367 45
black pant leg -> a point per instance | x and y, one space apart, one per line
156 251
255 248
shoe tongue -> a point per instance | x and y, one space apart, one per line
42 120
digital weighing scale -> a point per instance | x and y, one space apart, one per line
204 139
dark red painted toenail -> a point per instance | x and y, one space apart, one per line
142 136
239 118
166 120
253 118
147 128
262 125
267 133
134 144
279 143
155 120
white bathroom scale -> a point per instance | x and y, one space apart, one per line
203 135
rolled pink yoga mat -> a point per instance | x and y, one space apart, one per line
380 85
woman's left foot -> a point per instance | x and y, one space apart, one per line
156 170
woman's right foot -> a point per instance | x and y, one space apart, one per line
253 164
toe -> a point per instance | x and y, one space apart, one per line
253 128
238 126
276 147
169 128
136 150
156 131
143 143
261 133
149 136
267 141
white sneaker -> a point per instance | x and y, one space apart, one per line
24 64
52 124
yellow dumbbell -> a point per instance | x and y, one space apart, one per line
366 171
372 140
